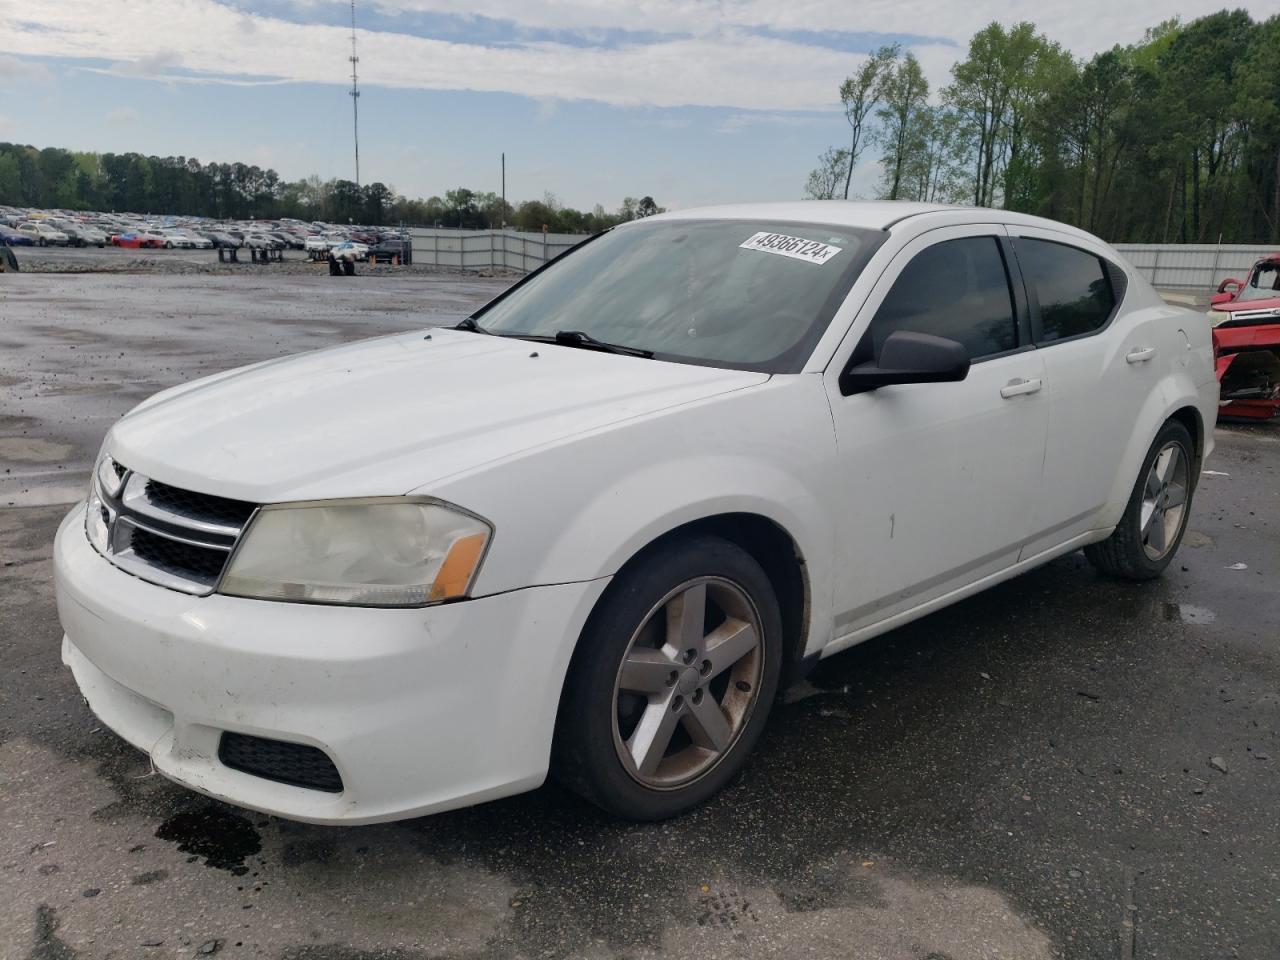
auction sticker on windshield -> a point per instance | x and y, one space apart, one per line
797 248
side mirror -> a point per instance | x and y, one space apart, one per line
909 358
1230 294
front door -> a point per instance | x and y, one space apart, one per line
941 479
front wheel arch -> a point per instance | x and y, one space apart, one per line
583 758
771 546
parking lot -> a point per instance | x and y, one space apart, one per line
1064 766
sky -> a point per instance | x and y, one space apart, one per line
688 101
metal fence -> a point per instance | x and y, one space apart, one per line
1191 265
488 249
1167 265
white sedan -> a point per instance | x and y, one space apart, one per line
43 234
590 528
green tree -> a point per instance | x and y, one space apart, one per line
904 95
859 94
824 179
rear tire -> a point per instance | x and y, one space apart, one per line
672 682
1147 537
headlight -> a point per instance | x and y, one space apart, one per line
379 552
1217 316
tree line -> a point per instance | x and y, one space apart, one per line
183 186
1173 139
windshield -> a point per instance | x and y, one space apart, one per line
746 294
1264 284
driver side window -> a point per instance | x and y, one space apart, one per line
957 289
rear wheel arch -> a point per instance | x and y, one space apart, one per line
1190 418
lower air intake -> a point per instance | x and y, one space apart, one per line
293 763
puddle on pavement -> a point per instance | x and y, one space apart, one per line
1186 613
223 839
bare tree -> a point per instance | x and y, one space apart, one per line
859 94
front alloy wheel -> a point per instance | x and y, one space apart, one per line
672 680
688 683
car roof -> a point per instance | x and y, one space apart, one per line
864 214
872 215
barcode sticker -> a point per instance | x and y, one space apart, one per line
797 248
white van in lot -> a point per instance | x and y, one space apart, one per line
589 528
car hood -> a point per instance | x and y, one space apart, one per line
389 415
1237 306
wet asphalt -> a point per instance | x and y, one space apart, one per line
1063 766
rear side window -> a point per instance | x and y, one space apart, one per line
1072 286
957 289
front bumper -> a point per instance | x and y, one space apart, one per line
420 710
1248 367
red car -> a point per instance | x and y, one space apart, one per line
1246 340
134 240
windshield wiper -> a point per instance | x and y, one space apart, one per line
578 338
469 324
564 338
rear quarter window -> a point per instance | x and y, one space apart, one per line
1072 287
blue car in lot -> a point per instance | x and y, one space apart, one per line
12 238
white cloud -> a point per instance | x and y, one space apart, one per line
738 122
12 68
735 69
1084 26
122 116
709 54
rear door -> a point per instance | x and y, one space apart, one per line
938 480
1100 367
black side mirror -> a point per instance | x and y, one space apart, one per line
909 358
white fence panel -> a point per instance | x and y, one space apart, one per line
488 249
1192 265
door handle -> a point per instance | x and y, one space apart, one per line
1140 354
1020 387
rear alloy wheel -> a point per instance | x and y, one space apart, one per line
1148 535
672 682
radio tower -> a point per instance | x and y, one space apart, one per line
355 92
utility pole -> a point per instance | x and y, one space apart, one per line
504 191
355 92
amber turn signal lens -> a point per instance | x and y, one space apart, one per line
458 567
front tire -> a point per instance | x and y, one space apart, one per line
672 683
1148 535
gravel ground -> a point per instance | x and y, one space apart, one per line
1061 767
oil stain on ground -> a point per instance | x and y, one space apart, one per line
222 838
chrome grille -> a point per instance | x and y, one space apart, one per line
175 538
